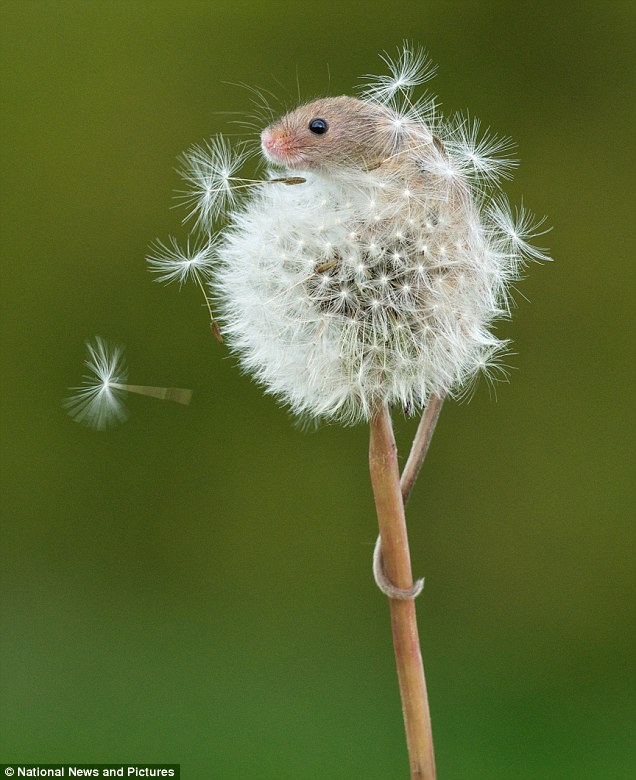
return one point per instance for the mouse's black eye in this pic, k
(318, 126)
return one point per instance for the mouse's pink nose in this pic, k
(276, 144)
(270, 141)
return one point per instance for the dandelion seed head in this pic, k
(378, 278)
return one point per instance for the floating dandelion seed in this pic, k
(99, 401)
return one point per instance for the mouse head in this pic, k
(329, 134)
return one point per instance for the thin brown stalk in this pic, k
(411, 470)
(385, 479)
(420, 445)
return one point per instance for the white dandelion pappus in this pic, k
(483, 154)
(171, 263)
(99, 401)
(515, 231)
(209, 171)
(174, 264)
(410, 69)
(414, 118)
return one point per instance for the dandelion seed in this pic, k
(519, 229)
(407, 119)
(173, 264)
(409, 69)
(99, 401)
(210, 170)
(483, 155)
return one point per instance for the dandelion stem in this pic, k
(385, 479)
(411, 470)
(420, 445)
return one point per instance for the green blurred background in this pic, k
(194, 586)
